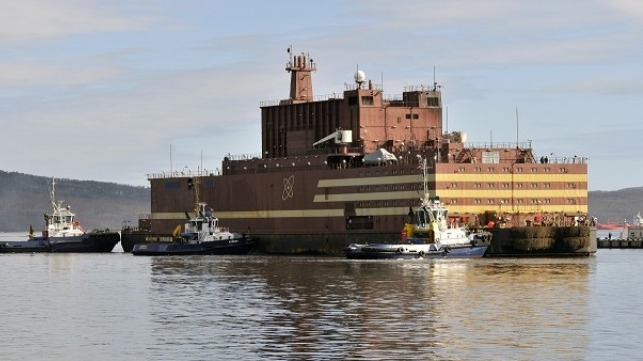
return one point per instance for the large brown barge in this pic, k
(345, 168)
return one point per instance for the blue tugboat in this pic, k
(63, 234)
(202, 235)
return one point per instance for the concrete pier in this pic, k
(619, 243)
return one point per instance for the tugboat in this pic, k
(202, 235)
(63, 234)
(428, 233)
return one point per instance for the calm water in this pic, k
(121, 307)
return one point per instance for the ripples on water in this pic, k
(121, 307)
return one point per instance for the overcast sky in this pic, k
(114, 90)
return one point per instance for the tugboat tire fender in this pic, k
(400, 250)
(421, 253)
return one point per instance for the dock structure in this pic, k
(620, 243)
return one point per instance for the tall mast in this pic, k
(52, 194)
(300, 68)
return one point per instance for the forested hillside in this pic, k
(24, 199)
(616, 206)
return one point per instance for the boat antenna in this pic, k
(52, 193)
(425, 188)
(517, 123)
(435, 84)
(424, 180)
(196, 195)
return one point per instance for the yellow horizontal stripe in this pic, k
(452, 193)
(296, 213)
(369, 181)
(385, 211)
(370, 196)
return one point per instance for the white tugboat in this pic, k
(63, 233)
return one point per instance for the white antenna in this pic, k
(435, 84)
(171, 158)
(517, 146)
(52, 193)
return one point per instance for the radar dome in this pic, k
(360, 77)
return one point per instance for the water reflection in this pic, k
(329, 308)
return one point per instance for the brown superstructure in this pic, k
(345, 168)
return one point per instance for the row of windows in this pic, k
(382, 188)
(401, 187)
(515, 185)
(515, 169)
(496, 203)
(509, 201)
(187, 184)
(392, 203)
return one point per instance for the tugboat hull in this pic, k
(391, 251)
(86, 243)
(222, 247)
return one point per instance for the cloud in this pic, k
(629, 8)
(40, 19)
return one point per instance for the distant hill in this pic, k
(616, 206)
(24, 199)
(98, 205)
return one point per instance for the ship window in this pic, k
(172, 185)
(490, 157)
(416, 116)
(367, 100)
(433, 102)
(408, 116)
